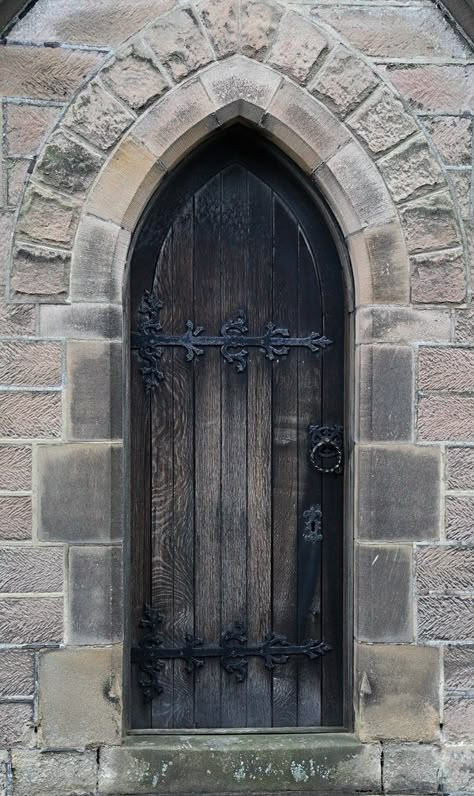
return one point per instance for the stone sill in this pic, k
(233, 764)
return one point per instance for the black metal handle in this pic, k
(327, 448)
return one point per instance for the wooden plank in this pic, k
(234, 243)
(207, 452)
(285, 464)
(259, 453)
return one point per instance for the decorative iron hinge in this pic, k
(233, 341)
(233, 652)
(327, 448)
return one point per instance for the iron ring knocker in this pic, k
(327, 444)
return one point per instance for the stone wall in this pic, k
(374, 100)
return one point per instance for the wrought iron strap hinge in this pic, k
(233, 652)
(149, 341)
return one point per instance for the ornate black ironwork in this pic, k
(327, 448)
(149, 341)
(312, 524)
(233, 652)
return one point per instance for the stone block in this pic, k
(67, 165)
(445, 618)
(382, 264)
(430, 223)
(47, 217)
(178, 41)
(297, 47)
(15, 518)
(100, 251)
(84, 683)
(26, 71)
(15, 467)
(396, 476)
(459, 718)
(17, 320)
(343, 81)
(459, 668)
(6, 233)
(17, 174)
(386, 393)
(458, 769)
(438, 278)
(384, 593)
(54, 773)
(444, 569)
(400, 699)
(462, 187)
(221, 20)
(30, 364)
(40, 272)
(446, 369)
(79, 492)
(16, 724)
(94, 390)
(134, 76)
(28, 620)
(452, 137)
(27, 127)
(98, 116)
(81, 321)
(410, 169)
(259, 22)
(444, 88)
(459, 519)
(411, 768)
(30, 414)
(446, 417)
(31, 569)
(381, 121)
(95, 606)
(240, 88)
(402, 325)
(16, 673)
(4, 766)
(464, 326)
(459, 468)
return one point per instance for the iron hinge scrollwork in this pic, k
(327, 448)
(233, 651)
(149, 341)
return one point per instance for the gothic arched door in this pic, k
(236, 411)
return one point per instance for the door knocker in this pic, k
(327, 448)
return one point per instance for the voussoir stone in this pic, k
(240, 88)
(297, 47)
(47, 217)
(179, 43)
(411, 168)
(343, 81)
(382, 264)
(430, 223)
(134, 76)
(258, 25)
(221, 20)
(98, 116)
(40, 272)
(452, 137)
(67, 165)
(381, 121)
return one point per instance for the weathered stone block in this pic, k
(382, 259)
(343, 81)
(178, 41)
(297, 47)
(438, 278)
(410, 169)
(258, 24)
(400, 698)
(17, 174)
(459, 668)
(462, 187)
(459, 518)
(98, 245)
(26, 569)
(464, 326)
(15, 467)
(27, 127)
(39, 272)
(30, 414)
(430, 223)
(94, 390)
(81, 321)
(84, 683)
(395, 476)
(446, 618)
(240, 88)
(17, 320)
(386, 390)
(54, 773)
(134, 76)
(446, 369)
(384, 593)
(444, 569)
(98, 116)
(459, 717)
(411, 768)
(47, 217)
(30, 364)
(16, 724)
(432, 87)
(26, 620)
(458, 769)
(26, 71)
(446, 417)
(402, 325)
(15, 518)
(79, 492)
(16, 673)
(452, 136)
(95, 607)
(221, 21)
(381, 121)
(460, 468)
(67, 165)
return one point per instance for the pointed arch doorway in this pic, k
(236, 448)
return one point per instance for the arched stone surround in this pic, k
(193, 69)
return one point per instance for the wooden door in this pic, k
(237, 315)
